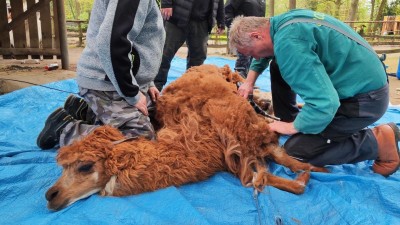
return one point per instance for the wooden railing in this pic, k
(81, 34)
(221, 40)
(45, 41)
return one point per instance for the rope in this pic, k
(40, 85)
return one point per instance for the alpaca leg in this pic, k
(294, 186)
(279, 155)
(262, 178)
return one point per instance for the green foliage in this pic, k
(329, 7)
(78, 9)
(393, 8)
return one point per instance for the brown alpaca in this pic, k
(206, 128)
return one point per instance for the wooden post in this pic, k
(4, 32)
(63, 34)
(292, 4)
(271, 8)
(80, 33)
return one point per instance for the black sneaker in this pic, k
(76, 107)
(55, 123)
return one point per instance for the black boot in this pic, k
(76, 107)
(55, 123)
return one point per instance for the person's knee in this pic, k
(304, 146)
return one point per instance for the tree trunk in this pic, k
(78, 9)
(271, 8)
(353, 10)
(371, 17)
(292, 4)
(379, 15)
(338, 3)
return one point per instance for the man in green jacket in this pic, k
(339, 77)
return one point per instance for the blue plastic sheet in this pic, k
(350, 194)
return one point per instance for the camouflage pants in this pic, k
(108, 108)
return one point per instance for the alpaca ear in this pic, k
(117, 156)
(108, 133)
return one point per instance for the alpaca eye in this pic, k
(85, 168)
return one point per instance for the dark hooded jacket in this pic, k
(234, 8)
(182, 10)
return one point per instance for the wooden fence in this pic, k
(30, 29)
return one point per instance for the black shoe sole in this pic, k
(47, 140)
(76, 113)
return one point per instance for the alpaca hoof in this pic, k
(319, 169)
(300, 188)
(303, 178)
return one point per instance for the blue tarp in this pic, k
(350, 194)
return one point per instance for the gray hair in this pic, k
(239, 33)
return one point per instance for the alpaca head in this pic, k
(84, 168)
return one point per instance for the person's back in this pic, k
(343, 59)
(337, 74)
(110, 41)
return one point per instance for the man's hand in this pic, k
(245, 90)
(166, 13)
(283, 127)
(142, 104)
(154, 93)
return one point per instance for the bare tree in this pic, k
(371, 16)
(338, 3)
(353, 10)
(379, 15)
(292, 4)
(271, 8)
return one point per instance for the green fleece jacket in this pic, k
(321, 65)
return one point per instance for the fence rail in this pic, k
(33, 29)
(221, 40)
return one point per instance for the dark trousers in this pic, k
(196, 37)
(345, 139)
(242, 64)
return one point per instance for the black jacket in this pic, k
(182, 8)
(234, 8)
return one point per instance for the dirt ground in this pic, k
(33, 71)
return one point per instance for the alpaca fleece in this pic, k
(205, 128)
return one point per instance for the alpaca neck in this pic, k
(165, 163)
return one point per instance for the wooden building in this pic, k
(391, 25)
(33, 29)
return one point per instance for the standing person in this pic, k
(190, 21)
(339, 77)
(114, 74)
(234, 8)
